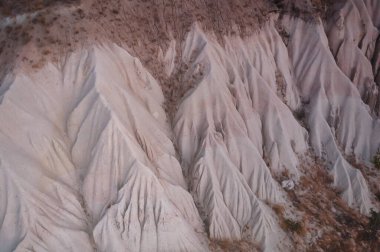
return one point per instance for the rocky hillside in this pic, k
(195, 125)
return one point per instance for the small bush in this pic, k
(293, 226)
(299, 114)
(376, 160)
(25, 37)
(370, 234)
(81, 13)
(377, 196)
(374, 221)
(46, 52)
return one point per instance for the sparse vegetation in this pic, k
(307, 10)
(323, 210)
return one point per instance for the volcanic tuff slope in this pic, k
(173, 126)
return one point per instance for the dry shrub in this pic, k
(287, 224)
(278, 209)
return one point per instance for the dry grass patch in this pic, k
(233, 246)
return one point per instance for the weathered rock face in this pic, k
(113, 148)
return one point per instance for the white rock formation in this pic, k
(89, 160)
(88, 164)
